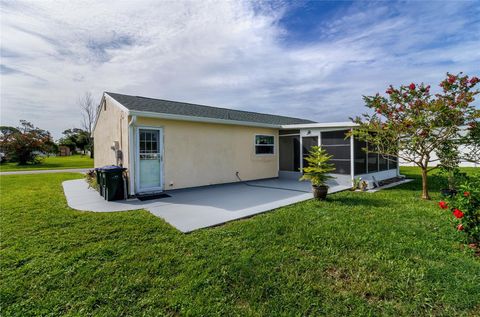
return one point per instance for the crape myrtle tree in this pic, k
(412, 124)
(23, 144)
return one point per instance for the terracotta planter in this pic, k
(320, 192)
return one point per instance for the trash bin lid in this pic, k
(111, 168)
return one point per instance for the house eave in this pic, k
(319, 125)
(167, 116)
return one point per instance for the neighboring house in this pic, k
(64, 150)
(462, 149)
(170, 145)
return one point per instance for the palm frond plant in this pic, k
(317, 170)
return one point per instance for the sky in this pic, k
(312, 60)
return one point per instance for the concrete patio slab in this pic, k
(80, 197)
(196, 208)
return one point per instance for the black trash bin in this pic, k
(99, 181)
(112, 183)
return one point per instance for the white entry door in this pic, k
(149, 160)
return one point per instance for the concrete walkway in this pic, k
(195, 208)
(70, 170)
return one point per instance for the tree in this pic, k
(75, 138)
(412, 124)
(23, 144)
(89, 113)
(318, 167)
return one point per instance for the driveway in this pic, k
(201, 207)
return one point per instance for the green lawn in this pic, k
(52, 162)
(387, 253)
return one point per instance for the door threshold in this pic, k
(151, 196)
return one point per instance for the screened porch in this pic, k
(349, 156)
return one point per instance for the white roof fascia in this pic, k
(99, 108)
(168, 116)
(97, 114)
(320, 125)
(118, 104)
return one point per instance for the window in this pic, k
(149, 145)
(335, 138)
(264, 144)
(307, 143)
(360, 156)
(382, 162)
(371, 162)
(392, 162)
(337, 144)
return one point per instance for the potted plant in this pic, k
(363, 186)
(317, 171)
(356, 183)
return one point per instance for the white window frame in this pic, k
(255, 145)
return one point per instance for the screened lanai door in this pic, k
(149, 160)
(307, 143)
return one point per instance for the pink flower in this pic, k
(460, 227)
(451, 79)
(474, 80)
(412, 86)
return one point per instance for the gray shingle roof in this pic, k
(136, 103)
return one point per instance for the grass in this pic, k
(387, 253)
(51, 162)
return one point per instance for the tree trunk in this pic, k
(425, 194)
(91, 149)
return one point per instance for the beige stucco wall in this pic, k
(112, 125)
(198, 154)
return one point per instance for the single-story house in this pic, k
(464, 150)
(64, 150)
(168, 145)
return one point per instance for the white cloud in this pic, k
(234, 54)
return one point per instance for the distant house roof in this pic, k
(141, 105)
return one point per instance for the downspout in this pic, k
(352, 157)
(398, 162)
(131, 154)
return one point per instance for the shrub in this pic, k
(453, 177)
(26, 143)
(465, 207)
(91, 178)
(318, 167)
